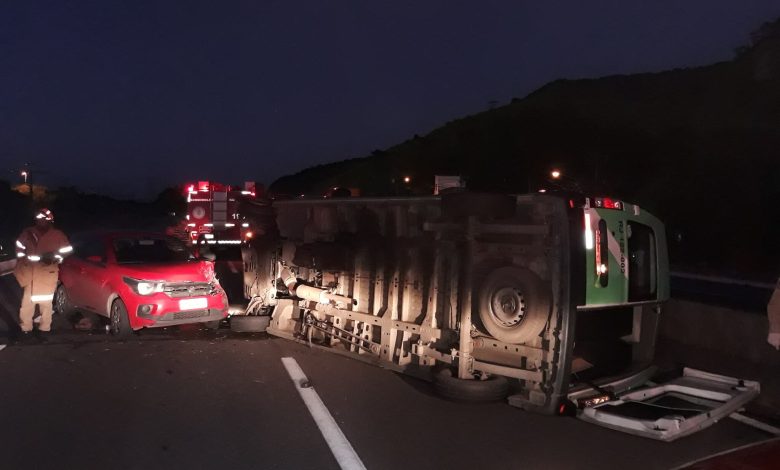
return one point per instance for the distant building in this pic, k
(444, 183)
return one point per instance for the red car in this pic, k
(140, 280)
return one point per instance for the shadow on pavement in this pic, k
(68, 335)
(10, 300)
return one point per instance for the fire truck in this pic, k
(213, 213)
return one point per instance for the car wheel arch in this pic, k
(109, 303)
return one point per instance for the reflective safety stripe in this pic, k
(34, 258)
(66, 249)
(42, 298)
(20, 255)
(59, 258)
(19, 244)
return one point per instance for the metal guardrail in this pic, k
(741, 294)
(723, 280)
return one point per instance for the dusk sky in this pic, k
(128, 97)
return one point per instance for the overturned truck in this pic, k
(550, 301)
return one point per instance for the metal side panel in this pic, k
(674, 409)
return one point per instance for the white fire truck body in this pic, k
(213, 216)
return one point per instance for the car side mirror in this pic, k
(95, 259)
(207, 256)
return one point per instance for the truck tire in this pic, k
(249, 323)
(494, 388)
(514, 304)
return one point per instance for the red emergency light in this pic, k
(607, 203)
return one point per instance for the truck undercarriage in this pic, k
(480, 293)
(475, 286)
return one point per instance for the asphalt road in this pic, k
(196, 399)
(192, 398)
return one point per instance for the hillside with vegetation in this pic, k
(76, 211)
(700, 147)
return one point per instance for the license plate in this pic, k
(193, 304)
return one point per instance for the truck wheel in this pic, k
(494, 388)
(249, 323)
(120, 322)
(514, 304)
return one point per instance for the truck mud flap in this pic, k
(667, 411)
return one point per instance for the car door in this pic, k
(92, 290)
(70, 271)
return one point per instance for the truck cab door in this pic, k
(667, 411)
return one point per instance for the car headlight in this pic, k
(142, 287)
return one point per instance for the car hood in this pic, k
(198, 271)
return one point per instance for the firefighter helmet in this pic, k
(44, 214)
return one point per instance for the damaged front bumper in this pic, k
(182, 318)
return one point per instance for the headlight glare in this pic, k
(143, 287)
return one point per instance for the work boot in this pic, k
(43, 336)
(25, 337)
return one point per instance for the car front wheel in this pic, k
(62, 303)
(120, 322)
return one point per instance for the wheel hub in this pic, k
(507, 306)
(115, 320)
(60, 300)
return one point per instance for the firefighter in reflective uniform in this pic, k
(39, 251)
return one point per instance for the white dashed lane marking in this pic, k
(345, 455)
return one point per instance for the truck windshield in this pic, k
(139, 250)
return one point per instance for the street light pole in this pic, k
(27, 175)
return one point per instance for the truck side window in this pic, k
(642, 263)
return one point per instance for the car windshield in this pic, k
(138, 250)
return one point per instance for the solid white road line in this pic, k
(768, 428)
(338, 443)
